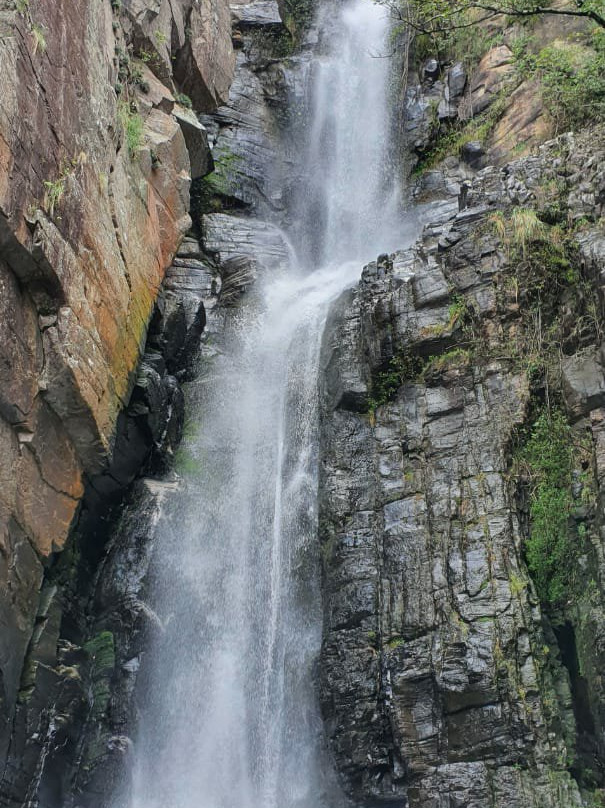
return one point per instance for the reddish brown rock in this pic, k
(488, 80)
(94, 201)
(523, 125)
(186, 44)
(204, 66)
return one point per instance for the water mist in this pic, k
(233, 719)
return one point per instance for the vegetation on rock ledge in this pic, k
(552, 545)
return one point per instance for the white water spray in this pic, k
(350, 207)
(234, 719)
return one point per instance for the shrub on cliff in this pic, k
(552, 545)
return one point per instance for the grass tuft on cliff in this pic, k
(132, 124)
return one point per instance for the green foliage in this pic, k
(573, 80)
(54, 190)
(186, 463)
(213, 192)
(552, 545)
(542, 254)
(454, 358)
(520, 229)
(440, 20)
(572, 76)
(100, 651)
(53, 193)
(132, 125)
(37, 31)
(467, 43)
(596, 799)
(451, 140)
(183, 100)
(459, 314)
(148, 57)
(396, 642)
(39, 38)
(299, 15)
(406, 366)
(389, 379)
(276, 44)
(457, 310)
(523, 48)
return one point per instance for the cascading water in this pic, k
(350, 207)
(233, 720)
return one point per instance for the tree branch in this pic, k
(445, 20)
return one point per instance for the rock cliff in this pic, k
(98, 145)
(461, 665)
(79, 622)
(450, 675)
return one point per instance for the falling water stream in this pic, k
(233, 719)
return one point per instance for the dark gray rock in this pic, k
(262, 13)
(583, 383)
(231, 236)
(196, 140)
(431, 69)
(456, 80)
(432, 678)
(472, 152)
(124, 621)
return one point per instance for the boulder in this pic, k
(260, 14)
(196, 140)
(430, 69)
(522, 126)
(204, 66)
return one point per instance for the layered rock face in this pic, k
(96, 158)
(442, 682)
(70, 735)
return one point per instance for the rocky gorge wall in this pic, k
(82, 620)
(99, 142)
(448, 677)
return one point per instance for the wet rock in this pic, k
(47, 673)
(110, 660)
(89, 221)
(426, 594)
(263, 14)
(196, 141)
(472, 152)
(420, 109)
(232, 236)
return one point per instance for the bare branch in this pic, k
(453, 18)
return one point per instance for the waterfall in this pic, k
(233, 719)
(350, 207)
